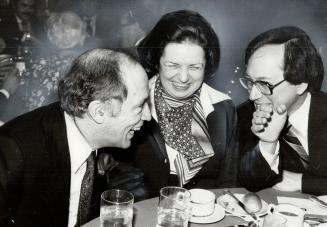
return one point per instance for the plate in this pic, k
(230, 205)
(217, 215)
(323, 198)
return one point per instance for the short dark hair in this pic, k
(94, 75)
(177, 27)
(302, 62)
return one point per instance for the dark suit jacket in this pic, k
(255, 174)
(3, 104)
(35, 171)
(220, 171)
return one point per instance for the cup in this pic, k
(116, 208)
(293, 214)
(274, 220)
(202, 202)
(174, 207)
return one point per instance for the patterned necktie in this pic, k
(86, 191)
(295, 143)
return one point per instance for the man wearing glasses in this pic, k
(283, 127)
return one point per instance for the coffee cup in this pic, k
(202, 202)
(293, 214)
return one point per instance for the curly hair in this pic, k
(302, 62)
(178, 27)
(66, 29)
(95, 75)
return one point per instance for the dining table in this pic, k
(145, 212)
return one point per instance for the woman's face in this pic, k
(181, 69)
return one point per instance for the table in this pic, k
(145, 211)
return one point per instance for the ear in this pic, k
(301, 88)
(96, 111)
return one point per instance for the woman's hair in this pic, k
(178, 27)
(66, 30)
(302, 61)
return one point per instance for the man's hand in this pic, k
(268, 122)
(291, 182)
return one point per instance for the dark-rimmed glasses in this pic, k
(264, 87)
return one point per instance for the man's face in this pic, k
(25, 9)
(134, 109)
(266, 64)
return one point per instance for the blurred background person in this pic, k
(20, 28)
(8, 83)
(66, 32)
(190, 140)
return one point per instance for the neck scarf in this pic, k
(184, 128)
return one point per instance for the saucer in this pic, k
(231, 206)
(217, 215)
(322, 198)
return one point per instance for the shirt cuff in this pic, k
(272, 159)
(5, 93)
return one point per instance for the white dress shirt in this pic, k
(79, 151)
(299, 120)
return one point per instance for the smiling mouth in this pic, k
(134, 129)
(180, 86)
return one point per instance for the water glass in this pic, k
(116, 209)
(174, 207)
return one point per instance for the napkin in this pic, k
(310, 206)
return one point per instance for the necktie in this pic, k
(86, 191)
(294, 142)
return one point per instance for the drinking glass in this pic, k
(116, 209)
(174, 207)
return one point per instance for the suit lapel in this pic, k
(157, 140)
(317, 134)
(55, 127)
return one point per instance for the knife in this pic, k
(318, 200)
(241, 205)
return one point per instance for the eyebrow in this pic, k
(175, 63)
(261, 78)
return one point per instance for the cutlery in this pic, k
(255, 218)
(250, 224)
(315, 219)
(312, 197)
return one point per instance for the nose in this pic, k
(146, 114)
(183, 75)
(254, 93)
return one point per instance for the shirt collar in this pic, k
(208, 97)
(299, 118)
(79, 148)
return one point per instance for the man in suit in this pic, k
(45, 154)
(18, 20)
(283, 128)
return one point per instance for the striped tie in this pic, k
(295, 143)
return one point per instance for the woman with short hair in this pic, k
(190, 141)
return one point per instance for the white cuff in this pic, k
(272, 159)
(5, 93)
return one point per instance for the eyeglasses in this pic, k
(264, 87)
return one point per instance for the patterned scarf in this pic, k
(184, 128)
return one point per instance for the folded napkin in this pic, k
(310, 206)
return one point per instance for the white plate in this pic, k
(323, 198)
(217, 215)
(230, 205)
